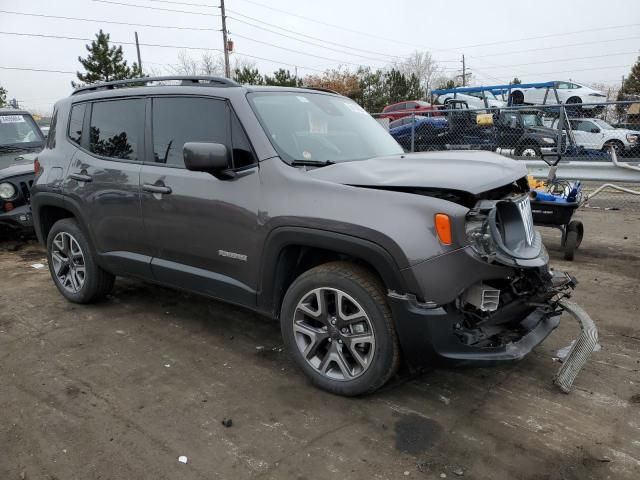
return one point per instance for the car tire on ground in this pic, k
(528, 150)
(72, 264)
(337, 326)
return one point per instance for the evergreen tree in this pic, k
(631, 84)
(3, 97)
(248, 76)
(282, 78)
(105, 63)
(515, 81)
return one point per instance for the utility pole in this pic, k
(227, 70)
(138, 50)
(464, 72)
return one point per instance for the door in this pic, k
(203, 228)
(586, 133)
(103, 180)
(508, 130)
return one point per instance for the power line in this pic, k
(559, 60)
(502, 42)
(108, 21)
(156, 8)
(554, 47)
(311, 43)
(329, 24)
(296, 51)
(185, 3)
(298, 33)
(60, 37)
(36, 70)
(573, 70)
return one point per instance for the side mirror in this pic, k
(595, 130)
(205, 157)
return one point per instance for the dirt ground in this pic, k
(121, 389)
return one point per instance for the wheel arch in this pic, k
(290, 251)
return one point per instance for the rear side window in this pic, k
(75, 123)
(177, 121)
(117, 129)
(51, 138)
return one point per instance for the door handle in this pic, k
(147, 187)
(81, 177)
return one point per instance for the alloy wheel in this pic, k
(68, 262)
(334, 334)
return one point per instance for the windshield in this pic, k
(602, 124)
(532, 120)
(19, 131)
(316, 127)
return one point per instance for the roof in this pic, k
(118, 87)
(13, 111)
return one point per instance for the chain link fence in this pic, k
(578, 132)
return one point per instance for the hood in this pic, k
(12, 164)
(549, 132)
(471, 171)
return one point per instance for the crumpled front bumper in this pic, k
(18, 219)
(427, 335)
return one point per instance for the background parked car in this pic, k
(524, 131)
(20, 141)
(597, 134)
(402, 109)
(429, 132)
(473, 99)
(568, 92)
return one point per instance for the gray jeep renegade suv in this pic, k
(297, 204)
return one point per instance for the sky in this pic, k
(587, 41)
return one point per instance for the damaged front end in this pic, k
(508, 299)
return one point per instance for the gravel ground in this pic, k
(121, 389)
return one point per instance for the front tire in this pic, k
(72, 264)
(337, 327)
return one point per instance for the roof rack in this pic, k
(186, 80)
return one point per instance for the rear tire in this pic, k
(350, 350)
(72, 264)
(528, 150)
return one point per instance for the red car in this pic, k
(403, 109)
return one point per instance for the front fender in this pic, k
(367, 251)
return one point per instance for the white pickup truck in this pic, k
(597, 134)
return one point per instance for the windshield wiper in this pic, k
(13, 149)
(312, 163)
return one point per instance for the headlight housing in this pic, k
(7, 191)
(549, 140)
(632, 137)
(478, 234)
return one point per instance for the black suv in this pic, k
(297, 204)
(20, 141)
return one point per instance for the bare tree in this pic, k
(423, 66)
(186, 65)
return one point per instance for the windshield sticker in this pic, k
(307, 155)
(302, 99)
(354, 108)
(11, 119)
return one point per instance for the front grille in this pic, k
(25, 188)
(527, 219)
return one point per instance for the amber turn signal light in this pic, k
(443, 228)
